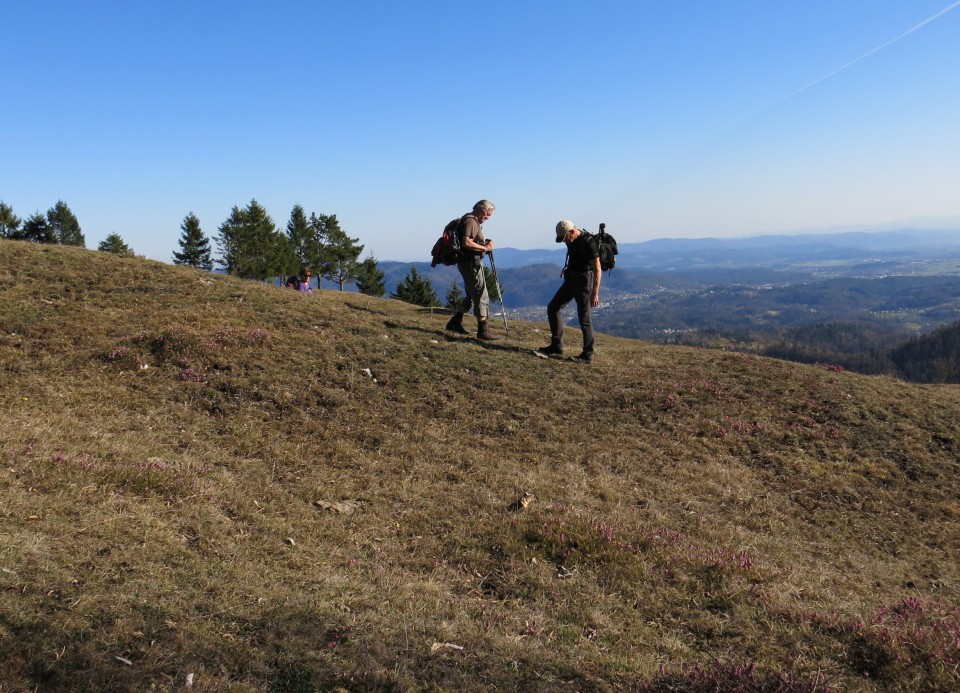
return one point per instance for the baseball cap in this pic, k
(563, 228)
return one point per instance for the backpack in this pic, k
(446, 251)
(607, 245)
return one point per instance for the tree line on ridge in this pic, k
(251, 247)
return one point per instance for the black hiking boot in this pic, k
(554, 349)
(456, 324)
(582, 358)
(483, 331)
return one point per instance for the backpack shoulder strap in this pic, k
(462, 227)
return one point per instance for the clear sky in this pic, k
(660, 118)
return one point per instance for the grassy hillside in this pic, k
(217, 485)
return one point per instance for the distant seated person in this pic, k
(301, 283)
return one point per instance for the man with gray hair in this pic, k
(581, 283)
(473, 246)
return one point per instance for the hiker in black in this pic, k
(473, 246)
(581, 283)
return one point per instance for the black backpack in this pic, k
(607, 245)
(446, 251)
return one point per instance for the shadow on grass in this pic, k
(512, 348)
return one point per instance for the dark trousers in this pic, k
(577, 286)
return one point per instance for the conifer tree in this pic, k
(337, 253)
(115, 244)
(252, 246)
(9, 222)
(454, 296)
(37, 229)
(302, 236)
(194, 246)
(416, 290)
(284, 258)
(65, 227)
(370, 278)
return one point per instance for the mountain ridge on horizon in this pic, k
(899, 239)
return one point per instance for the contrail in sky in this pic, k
(696, 150)
(878, 48)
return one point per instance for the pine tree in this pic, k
(284, 260)
(370, 278)
(302, 236)
(66, 228)
(252, 247)
(37, 229)
(454, 296)
(9, 222)
(337, 253)
(416, 290)
(194, 246)
(114, 244)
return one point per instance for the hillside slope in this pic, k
(222, 485)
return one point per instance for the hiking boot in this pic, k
(553, 350)
(483, 331)
(456, 324)
(582, 358)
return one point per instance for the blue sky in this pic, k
(662, 119)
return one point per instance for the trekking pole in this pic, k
(496, 279)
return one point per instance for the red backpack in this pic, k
(446, 251)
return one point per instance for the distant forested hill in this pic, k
(931, 358)
(909, 303)
(829, 252)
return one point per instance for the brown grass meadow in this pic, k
(211, 484)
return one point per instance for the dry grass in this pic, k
(222, 483)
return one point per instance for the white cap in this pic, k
(563, 228)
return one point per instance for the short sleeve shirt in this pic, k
(472, 229)
(583, 252)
